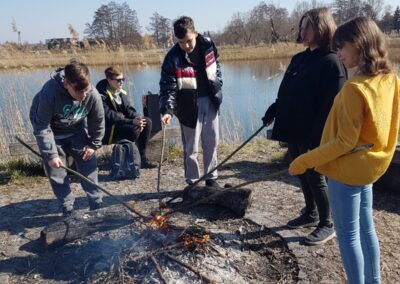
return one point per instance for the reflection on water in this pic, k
(249, 87)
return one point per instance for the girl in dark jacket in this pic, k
(306, 94)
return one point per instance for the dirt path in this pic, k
(26, 209)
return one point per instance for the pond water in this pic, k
(249, 88)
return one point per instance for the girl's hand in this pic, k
(166, 118)
(295, 168)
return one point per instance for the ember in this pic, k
(191, 243)
(159, 222)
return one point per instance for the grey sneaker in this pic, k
(320, 235)
(303, 221)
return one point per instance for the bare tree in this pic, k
(115, 24)
(372, 8)
(386, 23)
(161, 29)
(396, 19)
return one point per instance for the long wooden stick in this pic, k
(219, 165)
(222, 191)
(130, 207)
(158, 268)
(191, 268)
(159, 166)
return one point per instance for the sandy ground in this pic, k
(26, 208)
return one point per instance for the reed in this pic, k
(11, 58)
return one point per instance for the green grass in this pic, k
(17, 171)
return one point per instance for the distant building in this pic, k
(62, 43)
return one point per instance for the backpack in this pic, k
(125, 160)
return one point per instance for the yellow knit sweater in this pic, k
(366, 111)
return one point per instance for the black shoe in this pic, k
(320, 235)
(212, 183)
(146, 164)
(67, 213)
(303, 221)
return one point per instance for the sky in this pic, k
(38, 20)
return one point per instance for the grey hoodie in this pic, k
(54, 114)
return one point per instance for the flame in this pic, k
(191, 242)
(159, 222)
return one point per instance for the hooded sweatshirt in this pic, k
(55, 115)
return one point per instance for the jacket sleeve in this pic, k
(332, 80)
(217, 84)
(112, 116)
(168, 87)
(95, 121)
(130, 111)
(41, 116)
(270, 114)
(350, 115)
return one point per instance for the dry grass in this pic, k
(276, 51)
(394, 49)
(12, 58)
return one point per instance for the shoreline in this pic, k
(21, 60)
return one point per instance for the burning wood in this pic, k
(191, 243)
(159, 222)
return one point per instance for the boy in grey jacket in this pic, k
(68, 118)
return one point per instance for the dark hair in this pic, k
(370, 42)
(112, 72)
(182, 26)
(77, 74)
(323, 24)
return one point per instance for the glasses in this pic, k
(119, 80)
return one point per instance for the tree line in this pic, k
(117, 24)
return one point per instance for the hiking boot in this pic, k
(303, 221)
(147, 164)
(212, 183)
(320, 235)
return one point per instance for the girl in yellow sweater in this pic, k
(357, 144)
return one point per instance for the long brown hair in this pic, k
(323, 24)
(370, 42)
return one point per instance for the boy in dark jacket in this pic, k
(122, 120)
(60, 113)
(190, 88)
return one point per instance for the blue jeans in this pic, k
(352, 215)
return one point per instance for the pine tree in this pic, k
(396, 19)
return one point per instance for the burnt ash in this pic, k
(238, 251)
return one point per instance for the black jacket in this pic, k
(305, 97)
(114, 115)
(178, 93)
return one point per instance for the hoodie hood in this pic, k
(59, 76)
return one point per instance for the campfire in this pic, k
(205, 244)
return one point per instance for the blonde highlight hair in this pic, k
(370, 43)
(323, 24)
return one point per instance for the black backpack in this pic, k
(125, 160)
